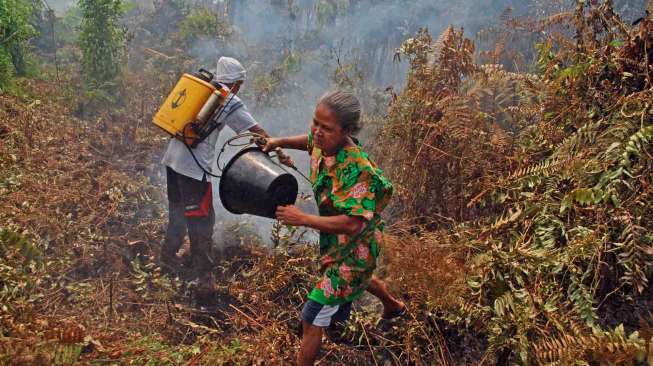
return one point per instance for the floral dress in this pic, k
(348, 183)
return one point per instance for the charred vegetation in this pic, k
(520, 231)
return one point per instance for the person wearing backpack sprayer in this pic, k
(190, 195)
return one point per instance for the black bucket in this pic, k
(252, 183)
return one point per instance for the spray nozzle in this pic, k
(259, 140)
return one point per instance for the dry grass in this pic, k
(80, 194)
(428, 269)
(81, 221)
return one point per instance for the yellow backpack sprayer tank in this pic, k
(189, 106)
(251, 182)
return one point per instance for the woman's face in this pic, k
(328, 135)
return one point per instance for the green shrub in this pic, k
(202, 23)
(15, 31)
(6, 68)
(101, 40)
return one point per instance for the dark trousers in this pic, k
(190, 210)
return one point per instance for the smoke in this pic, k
(299, 46)
(295, 50)
(61, 6)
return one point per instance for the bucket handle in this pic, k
(256, 140)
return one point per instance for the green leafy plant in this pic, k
(15, 31)
(150, 282)
(203, 23)
(101, 39)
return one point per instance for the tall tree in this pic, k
(15, 31)
(102, 41)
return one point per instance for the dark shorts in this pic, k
(324, 315)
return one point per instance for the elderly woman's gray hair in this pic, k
(346, 108)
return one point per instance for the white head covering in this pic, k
(229, 71)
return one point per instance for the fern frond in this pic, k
(583, 137)
(636, 144)
(511, 215)
(556, 19)
(545, 168)
(583, 299)
(635, 256)
(441, 42)
(504, 304)
(606, 347)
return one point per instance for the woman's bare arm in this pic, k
(283, 157)
(292, 142)
(341, 224)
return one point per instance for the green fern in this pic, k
(66, 354)
(636, 144)
(635, 256)
(585, 135)
(504, 304)
(583, 299)
(544, 168)
(603, 347)
(511, 215)
(548, 231)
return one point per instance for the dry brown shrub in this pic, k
(452, 131)
(428, 269)
(79, 193)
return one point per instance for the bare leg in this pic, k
(380, 290)
(311, 343)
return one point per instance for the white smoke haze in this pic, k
(318, 37)
(61, 6)
(364, 35)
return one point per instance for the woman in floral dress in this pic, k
(351, 192)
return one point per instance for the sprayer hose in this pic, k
(253, 136)
(230, 142)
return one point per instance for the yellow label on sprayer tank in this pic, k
(183, 104)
